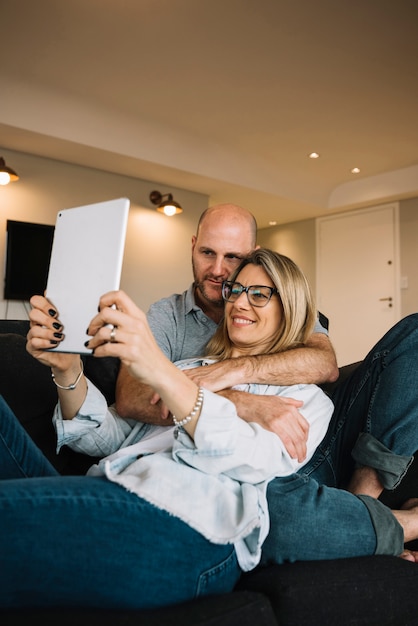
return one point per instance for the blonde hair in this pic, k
(297, 303)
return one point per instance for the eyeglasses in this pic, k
(258, 295)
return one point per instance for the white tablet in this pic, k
(86, 262)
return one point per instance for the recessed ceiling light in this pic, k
(355, 170)
(272, 223)
(314, 155)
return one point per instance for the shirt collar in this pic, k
(191, 301)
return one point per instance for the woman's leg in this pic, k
(19, 456)
(380, 401)
(77, 541)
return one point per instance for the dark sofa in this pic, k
(377, 590)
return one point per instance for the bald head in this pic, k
(222, 216)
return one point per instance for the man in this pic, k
(183, 323)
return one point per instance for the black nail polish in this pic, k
(52, 312)
(86, 343)
(58, 335)
(54, 343)
(56, 325)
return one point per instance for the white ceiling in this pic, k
(223, 97)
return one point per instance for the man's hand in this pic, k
(217, 376)
(276, 413)
(137, 401)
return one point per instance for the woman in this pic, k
(142, 529)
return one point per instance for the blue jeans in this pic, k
(86, 542)
(374, 424)
(376, 414)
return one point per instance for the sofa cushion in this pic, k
(364, 591)
(102, 372)
(19, 327)
(27, 387)
(242, 608)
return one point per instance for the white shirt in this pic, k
(215, 482)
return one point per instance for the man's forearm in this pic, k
(133, 401)
(313, 363)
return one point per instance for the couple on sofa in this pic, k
(78, 530)
(145, 529)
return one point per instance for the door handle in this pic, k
(389, 299)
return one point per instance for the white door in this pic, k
(358, 286)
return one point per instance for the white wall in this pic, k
(297, 241)
(157, 252)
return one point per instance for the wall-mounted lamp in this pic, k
(165, 203)
(7, 175)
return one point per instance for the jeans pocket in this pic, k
(219, 578)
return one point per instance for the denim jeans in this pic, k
(376, 414)
(86, 542)
(374, 424)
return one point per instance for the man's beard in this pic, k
(204, 295)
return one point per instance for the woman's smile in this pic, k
(239, 320)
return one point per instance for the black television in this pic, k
(28, 250)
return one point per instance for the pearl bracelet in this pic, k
(195, 409)
(74, 384)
